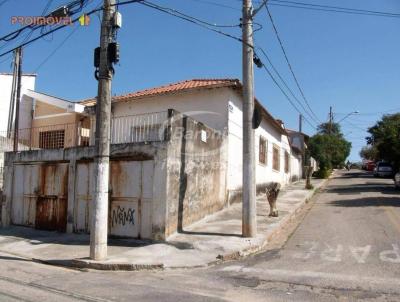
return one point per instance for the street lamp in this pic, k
(347, 115)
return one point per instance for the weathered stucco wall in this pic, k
(25, 178)
(196, 183)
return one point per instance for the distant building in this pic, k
(28, 82)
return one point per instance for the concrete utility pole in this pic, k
(300, 123)
(99, 227)
(249, 222)
(18, 62)
(11, 109)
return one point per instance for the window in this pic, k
(287, 162)
(276, 158)
(262, 151)
(51, 139)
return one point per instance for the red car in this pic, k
(370, 166)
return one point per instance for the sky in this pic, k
(350, 62)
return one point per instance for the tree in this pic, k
(330, 150)
(369, 153)
(385, 138)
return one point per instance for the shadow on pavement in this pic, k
(362, 188)
(368, 202)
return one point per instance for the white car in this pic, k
(383, 169)
(397, 180)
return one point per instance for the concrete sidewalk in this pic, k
(215, 238)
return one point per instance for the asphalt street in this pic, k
(345, 246)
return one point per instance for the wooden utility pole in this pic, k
(249, 223)
(99, 227)
(18, 61)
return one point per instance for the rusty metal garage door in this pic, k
(131, 198)
(131, 187)
(84, 184)
(51, 207)
(25, 192)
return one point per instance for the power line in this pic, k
(348, 9)
(196, 21)
(286, 96)
(334, 11)
(287, 86)
(288, 62)
(56, 49)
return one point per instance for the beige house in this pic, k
(48, 122)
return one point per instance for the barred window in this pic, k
(51, 139)
(262, 151)
(276, 158)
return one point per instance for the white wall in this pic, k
(264, 172)
(296, 166)
(207, 106)
(220, 109)
(28, 82)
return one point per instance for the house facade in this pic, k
(176, 158)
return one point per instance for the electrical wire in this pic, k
(56, 49)
(289, 64)
(286, 96)
(71, 6)
(286, 85)
(353, 10)
(174, 11)
(217, 4)
(190, 19)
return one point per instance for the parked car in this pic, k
(397, 180)
(370, 166)
(383, 169)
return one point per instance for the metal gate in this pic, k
(40, 194)
(130, 208)
(25, 192)
(84, 184)
(51, 208)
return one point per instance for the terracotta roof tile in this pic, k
(171, 88)
(187, 86)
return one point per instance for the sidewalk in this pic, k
(215, 238)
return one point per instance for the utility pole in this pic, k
(18, 60)
(99, 227)
(330, 120)
(300, 123)
(11, 109)
(249, 222)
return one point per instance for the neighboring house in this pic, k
(48, 122)
(218, 104)
(299, 140)
(27, 82)
(6, 142)
(176, 156)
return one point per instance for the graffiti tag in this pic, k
(122, 216)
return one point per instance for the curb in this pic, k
(87, 264)
(240, 254)
(257, 248)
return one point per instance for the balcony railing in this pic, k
(124, 129)
(46, 137)
(148, 127)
